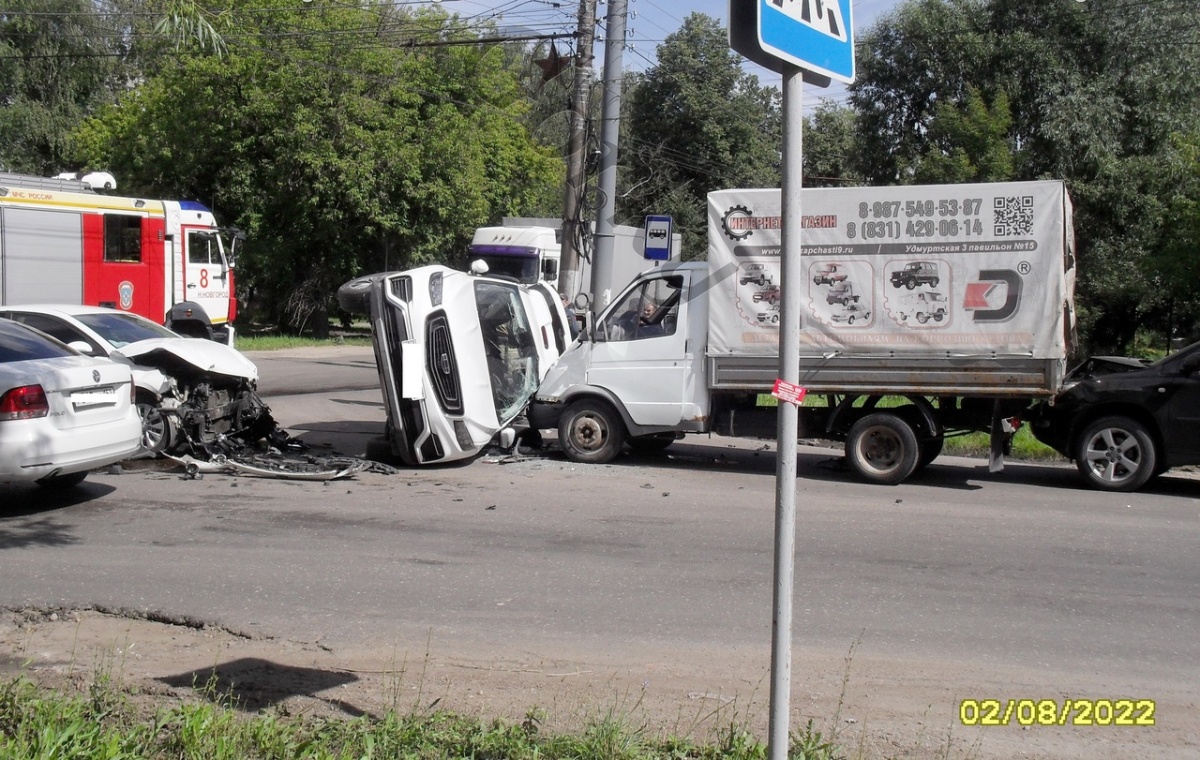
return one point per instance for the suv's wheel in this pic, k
(910, 283)
(591, 431)
(1116, 454)
(882, 448)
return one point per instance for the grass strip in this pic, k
(37, 724)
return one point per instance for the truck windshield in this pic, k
(522, 266)
(509, 347)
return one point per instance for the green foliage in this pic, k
(912, 60)
(829, 146)
(984, 90)
(335, 158)
(54, 70)
(969, 143)
(186, 23)
(697, 123)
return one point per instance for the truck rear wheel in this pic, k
(930, 450)
(591, 431)
(1116, 454)
(882, 448)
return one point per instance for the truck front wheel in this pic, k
(882, 448)
(591, 431)
(1116, 454)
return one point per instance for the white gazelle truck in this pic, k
(926, 311)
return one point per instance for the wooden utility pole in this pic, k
(576, 184)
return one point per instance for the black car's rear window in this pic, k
(19, 343)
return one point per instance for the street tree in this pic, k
(342, 139)
(59, 61)
(696, 122)
(830, 146)
(1090, 93)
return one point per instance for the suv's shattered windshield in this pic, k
(508, 345)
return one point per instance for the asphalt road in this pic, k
(957, 584)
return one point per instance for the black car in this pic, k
(1123, 421)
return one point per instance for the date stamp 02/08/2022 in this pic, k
(1056, 712)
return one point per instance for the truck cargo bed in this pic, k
(895, 375)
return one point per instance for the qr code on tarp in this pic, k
(1013, 215)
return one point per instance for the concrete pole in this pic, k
(610, 128)
(790, 286)
(576, 185)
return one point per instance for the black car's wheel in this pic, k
(1116, 454)
(933, 283)
(58, 482)
(651, 444)
(882, 448)
(910, 283)
(591, 431)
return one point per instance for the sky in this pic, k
(648, 25)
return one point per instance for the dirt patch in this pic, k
(878, 708)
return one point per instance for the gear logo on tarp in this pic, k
(734, 223)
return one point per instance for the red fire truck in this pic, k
(165, 260)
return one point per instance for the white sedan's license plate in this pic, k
(106, 396)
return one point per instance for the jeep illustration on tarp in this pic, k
(916, 273)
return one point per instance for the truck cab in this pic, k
(526, 254)
(636, 374)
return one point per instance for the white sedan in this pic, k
(61, 413)
(185, 386)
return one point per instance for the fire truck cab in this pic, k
(60, 242)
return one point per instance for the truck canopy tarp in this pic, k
(997, 266)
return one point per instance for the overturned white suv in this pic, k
(459, 355)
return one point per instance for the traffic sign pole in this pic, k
(789, 414)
